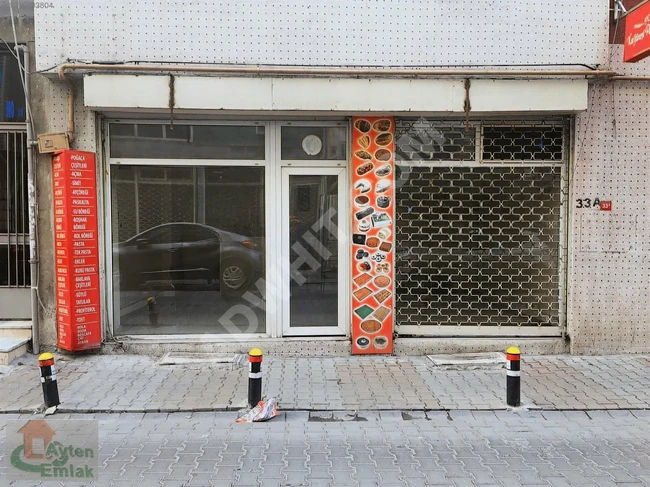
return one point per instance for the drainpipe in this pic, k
(329, 71)
(32, 206)
(630, 78)
(70, 131)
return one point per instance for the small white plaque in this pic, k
(312, 145)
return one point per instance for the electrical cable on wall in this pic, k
(617, 18)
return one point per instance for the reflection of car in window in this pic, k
(188, 251)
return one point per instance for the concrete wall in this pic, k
(327, 32)
(43, 92)
(23, 11)
(49, 108)
(609, 255)
(609, 282)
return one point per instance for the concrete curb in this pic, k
(324, 413)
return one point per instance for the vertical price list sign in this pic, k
(373, 237)
(78, 314)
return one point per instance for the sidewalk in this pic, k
(129, 383)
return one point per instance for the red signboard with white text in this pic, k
(78, 316)
(637, 34)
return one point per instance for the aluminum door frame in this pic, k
(342, 327)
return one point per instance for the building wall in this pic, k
(49, 108)
(609, 252)
(609, 305)
(23, 11)
(326, 33)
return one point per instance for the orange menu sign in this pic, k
(78, 315)
(373, 202)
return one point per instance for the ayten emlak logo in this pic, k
(52, 450)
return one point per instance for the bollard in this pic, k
(153, 310)
(254, 377)
(513, 380)
(48, 380)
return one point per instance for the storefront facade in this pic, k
(260, 228)
(426, 195)
(360, 228)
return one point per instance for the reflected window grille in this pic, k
(303, 198)
(184, 141)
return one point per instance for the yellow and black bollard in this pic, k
(48, 380)
(513, 380)
(254, 377)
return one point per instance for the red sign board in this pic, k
(637, 34)
(76, 252)
(373, 239)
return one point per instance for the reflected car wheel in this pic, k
(234, 277)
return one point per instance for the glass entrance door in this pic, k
(313, 251)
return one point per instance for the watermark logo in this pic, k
(52, 450)
(306, 258)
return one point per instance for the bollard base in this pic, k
(50, 394)
(513, 392)
(254, 392)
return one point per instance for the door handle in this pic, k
(173, 250)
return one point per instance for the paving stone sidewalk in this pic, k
(128, 383)
(375, 448)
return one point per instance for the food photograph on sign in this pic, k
(372, 237)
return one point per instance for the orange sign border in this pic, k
(373, 234)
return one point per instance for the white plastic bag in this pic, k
(264, 411)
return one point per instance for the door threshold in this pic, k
(221, 338)
(338, 346)
(300, 338)
(291, 346)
